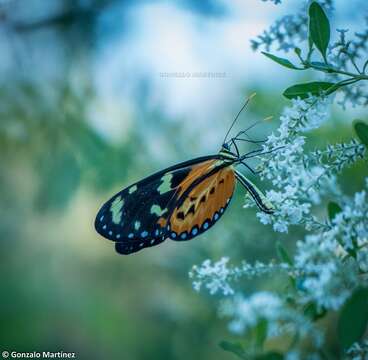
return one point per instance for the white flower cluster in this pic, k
(330, 264)
(217, 276)
(345, 54)
(325, 278)
(294, 183)
(287, 32)
(246, 313)
(351, 228)
(335, 157)
(299, 179)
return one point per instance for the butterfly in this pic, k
(180, 202)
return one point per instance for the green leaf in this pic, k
(261, 332)
(311, 310)
(319, 28)
(304, 90)
(282, 254)
(333, 209)
(234, 348)
(310, 46)
(361, 130)
(272, 355)
(353, 318)
(281, 61)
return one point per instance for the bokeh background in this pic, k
(85, 110)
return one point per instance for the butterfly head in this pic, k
(225, 146)
(227, 153)
(230, 152)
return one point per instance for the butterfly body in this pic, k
(180, 202)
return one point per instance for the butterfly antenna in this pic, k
(259, 152)
(237, 116)
(268, 118)
(247, 129)
(237, 137)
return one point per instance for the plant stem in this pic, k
(360, 75)
(365, 66)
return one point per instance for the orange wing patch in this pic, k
(203, 206)
(195, 172)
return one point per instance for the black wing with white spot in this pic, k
(137, 217)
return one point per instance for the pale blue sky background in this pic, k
(134, 41)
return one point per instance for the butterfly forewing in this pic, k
(202, 204)
(137, 217)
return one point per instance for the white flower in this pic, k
(247, 312)
(217, 276)
(325, 279)
(216, 272)
(280, 226)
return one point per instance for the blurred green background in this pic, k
(85, 111)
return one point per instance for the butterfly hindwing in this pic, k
(202, 204)
(129, 247)
(129, 218)
(136, 217)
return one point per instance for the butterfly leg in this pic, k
(260, 199)
(249, 168)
